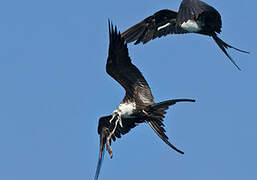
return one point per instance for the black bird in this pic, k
(194, 16)
(137, 106)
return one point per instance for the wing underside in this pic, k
(104, 130)
(159, 24)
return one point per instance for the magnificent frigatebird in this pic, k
(137, 106)
(194, 16)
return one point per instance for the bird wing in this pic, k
(154, 117)
(159, 24)
(127, 125)
(104, 130)
(119, 67)
(198, 10)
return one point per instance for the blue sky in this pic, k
(54, 88)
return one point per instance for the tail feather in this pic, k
(157, 130)
(156, 112)
(223, 46)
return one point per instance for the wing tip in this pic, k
(115, 35)
(100, 159)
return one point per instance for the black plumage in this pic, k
(194, 16)
(137, 106)
(151, 27)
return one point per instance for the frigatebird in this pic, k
(194, 16)
(137, 106)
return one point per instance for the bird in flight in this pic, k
(194, 16)
(137, 106)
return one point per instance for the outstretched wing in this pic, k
(156, 113)
(159, 24)
(104, 130)
(198, 10)
(119, 67)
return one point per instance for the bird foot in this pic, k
(108, 140)
(120, 121)
(113, 116)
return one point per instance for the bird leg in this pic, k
(120, 121)
(108, 140)
(116, 113)
(113, 116)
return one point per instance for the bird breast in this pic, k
(191, 26)
(127, 108)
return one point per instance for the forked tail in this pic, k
(156, 113)
(223, 46)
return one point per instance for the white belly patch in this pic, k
(191, 26)
(126, 108)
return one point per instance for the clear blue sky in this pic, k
(54, 88)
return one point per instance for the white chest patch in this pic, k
(191, 26)
(164, 26)
(126, 109)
